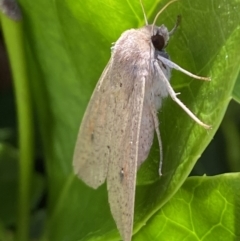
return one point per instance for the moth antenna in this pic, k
(144, 14)
(176, 25)
(155, 19)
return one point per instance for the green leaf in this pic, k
(236, 90)
(68, 46)
(204, 208)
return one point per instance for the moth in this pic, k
(117, 129)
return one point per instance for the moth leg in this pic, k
(176, 25)
(174, 97)
(172, 65)
(156, 125)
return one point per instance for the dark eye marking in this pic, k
(158, 42)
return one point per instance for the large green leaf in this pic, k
(68, 46)
(204, 208)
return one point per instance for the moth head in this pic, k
(160, 37)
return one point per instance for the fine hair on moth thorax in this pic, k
(117, 130)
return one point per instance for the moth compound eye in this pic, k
(158, 42)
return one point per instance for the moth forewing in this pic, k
(121, 184)
(90, 153)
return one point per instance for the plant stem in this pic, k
(14, 40)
